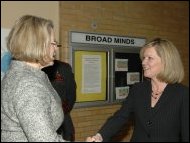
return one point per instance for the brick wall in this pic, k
(149, 19)
(88, 121)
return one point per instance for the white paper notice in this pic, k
(121, 64)
(122, 92)
(91, 74)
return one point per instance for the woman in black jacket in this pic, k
(160, 104)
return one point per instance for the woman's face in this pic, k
(151, 63)
(53, 47)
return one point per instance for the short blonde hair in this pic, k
(29, 39)
(173, 71)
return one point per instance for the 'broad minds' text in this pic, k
(102, 39)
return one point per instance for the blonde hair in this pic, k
(29, 39)
(173, 71)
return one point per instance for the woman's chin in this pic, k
(51, 63)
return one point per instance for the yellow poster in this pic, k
(90, 75)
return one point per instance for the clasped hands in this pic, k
(95, 138)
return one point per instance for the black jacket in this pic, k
(168, 121)
(62, 79)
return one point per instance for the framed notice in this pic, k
(90, 75)
(133, 77)
(121, 64)
(122, 92)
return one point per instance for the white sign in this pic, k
(89, 38)
(91, 74)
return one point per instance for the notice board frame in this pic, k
(79, 43)
(89, 48)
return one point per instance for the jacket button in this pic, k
(149, 123)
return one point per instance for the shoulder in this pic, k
(143, 84)
(32, 83)
(139, 88)
(61, 63)
(178, 87)
(63, 66)
(31, 91)
(183, 89)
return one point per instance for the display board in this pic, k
(105, 67)
(128, 70)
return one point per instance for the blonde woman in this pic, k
(30, 108)
(160, 104)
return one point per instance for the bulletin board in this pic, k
(90, 75)
(128, 70)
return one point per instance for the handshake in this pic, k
(96, 138)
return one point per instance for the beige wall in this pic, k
(11, 10)
(166, 19)
(149, 19)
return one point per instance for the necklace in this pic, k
(157, 92)
(156, 95)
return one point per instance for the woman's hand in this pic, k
(96, 138)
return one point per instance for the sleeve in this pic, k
(33, 109)
(185, 116)
(113, 125)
